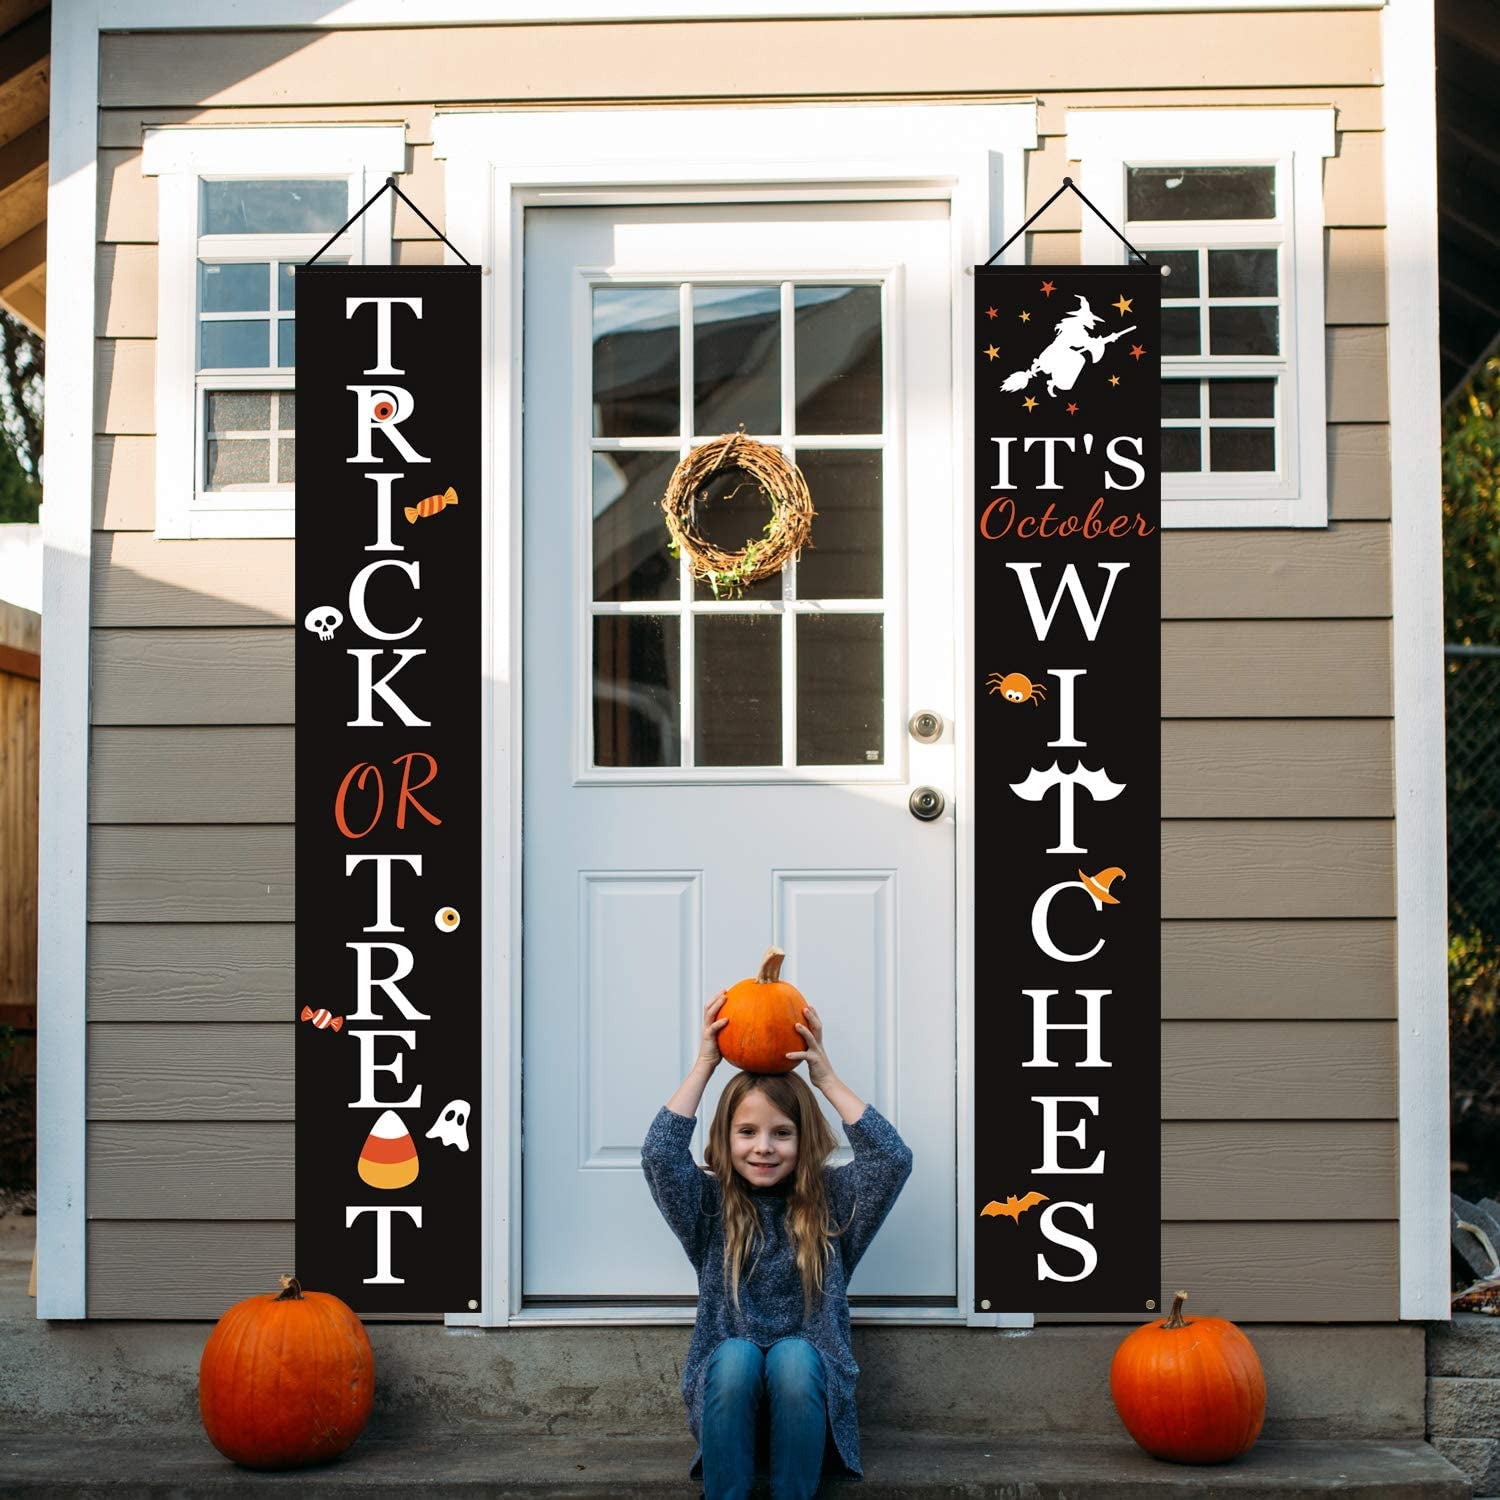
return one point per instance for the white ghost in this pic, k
(451, 1126)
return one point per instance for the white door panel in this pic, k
(702, 777)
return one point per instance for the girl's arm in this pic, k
(868, 1186)
(677, 1183)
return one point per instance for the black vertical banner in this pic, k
(388, 684)
(1067, 515)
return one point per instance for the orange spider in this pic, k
(1016, 688)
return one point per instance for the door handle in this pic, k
(926, 804)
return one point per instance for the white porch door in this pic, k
(705, 777)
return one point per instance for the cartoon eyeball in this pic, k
(447, 919)
(384, 409)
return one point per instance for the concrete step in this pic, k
(472, 1462)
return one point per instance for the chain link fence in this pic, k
(1473, 746)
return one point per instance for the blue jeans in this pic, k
(739, 1374)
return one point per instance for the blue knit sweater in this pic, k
(689, 1198)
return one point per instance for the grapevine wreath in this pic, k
(784, 536)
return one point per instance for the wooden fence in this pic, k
(20, 720)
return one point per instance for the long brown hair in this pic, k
(807, 1214)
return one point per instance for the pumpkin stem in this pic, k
(291, 1289)
(1177, 1320)
(770, 966)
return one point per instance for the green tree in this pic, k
(1471, 518)
(22, 382)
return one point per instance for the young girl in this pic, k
(774, 1236)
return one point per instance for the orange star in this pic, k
(992, 312)
(1114, 380)
(1123, 304)
(993, 352)
(1029, 403)
(1072, 408)
(1025, 317)
(1048, 288)
(1136, 350)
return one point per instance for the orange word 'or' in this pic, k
(362, 771)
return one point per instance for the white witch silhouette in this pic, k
(1062, 360)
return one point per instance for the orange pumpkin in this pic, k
(1189, 1389)
(763, 1014)
(286, 1380)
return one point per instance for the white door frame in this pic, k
(498, 165)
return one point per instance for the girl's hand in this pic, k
(709, 1052)
(819, 1069)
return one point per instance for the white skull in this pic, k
(323, 621)
(450, 1127)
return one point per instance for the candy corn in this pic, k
(388, 1158)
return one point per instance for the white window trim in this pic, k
(1295, 141)
(180, 156)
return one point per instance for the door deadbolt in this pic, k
(925, 726)
(926, 803)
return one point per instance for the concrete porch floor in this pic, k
(109, 1409)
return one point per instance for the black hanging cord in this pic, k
(390, 183)
(1068, 185)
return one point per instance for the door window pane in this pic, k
(1181, 450)
(840, 696)
(737, 685)
(1242, 449)
(230, 287)
(1179, 398)
(636, 362)
(840, 386)
(1183, 282)
(235, 344)
(1179, 330)
(733, 512)
(288, 206)
(1242, 398)
(238, 461)
(846, 558)
(637, 720)
(1242, 330)
(1241, 273)
(1201, 192)
(736, 359)
(631, 560)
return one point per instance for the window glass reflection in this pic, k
(839, 380)
(636, 361)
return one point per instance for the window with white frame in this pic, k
(239, 209)
(1229, 201)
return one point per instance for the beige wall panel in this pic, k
(125, 386)
(1355, 276)
(126, 127)
(139, 580)
(1234, 1170)
(1210, 669)
(1277, 867)
(1343, 572)
(1049, 249)
(1275, 573)
(1266, 768)
(1357, 389)
(1045, 169)
(736, 58)
(1277, 1169)
(192, 676)
(419, 252)
(1268, 1070)
(125, 292)
(230, 774)
(1275, 669)
(1354, 182)
(1358, 108)
(141, 1169)
(1284, 1272)
(1278, 970)
(207, 1072)
(1359, 472)
(124, 484)
(127, 199)
(424, 185)
(190, 972)
(202, 874)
